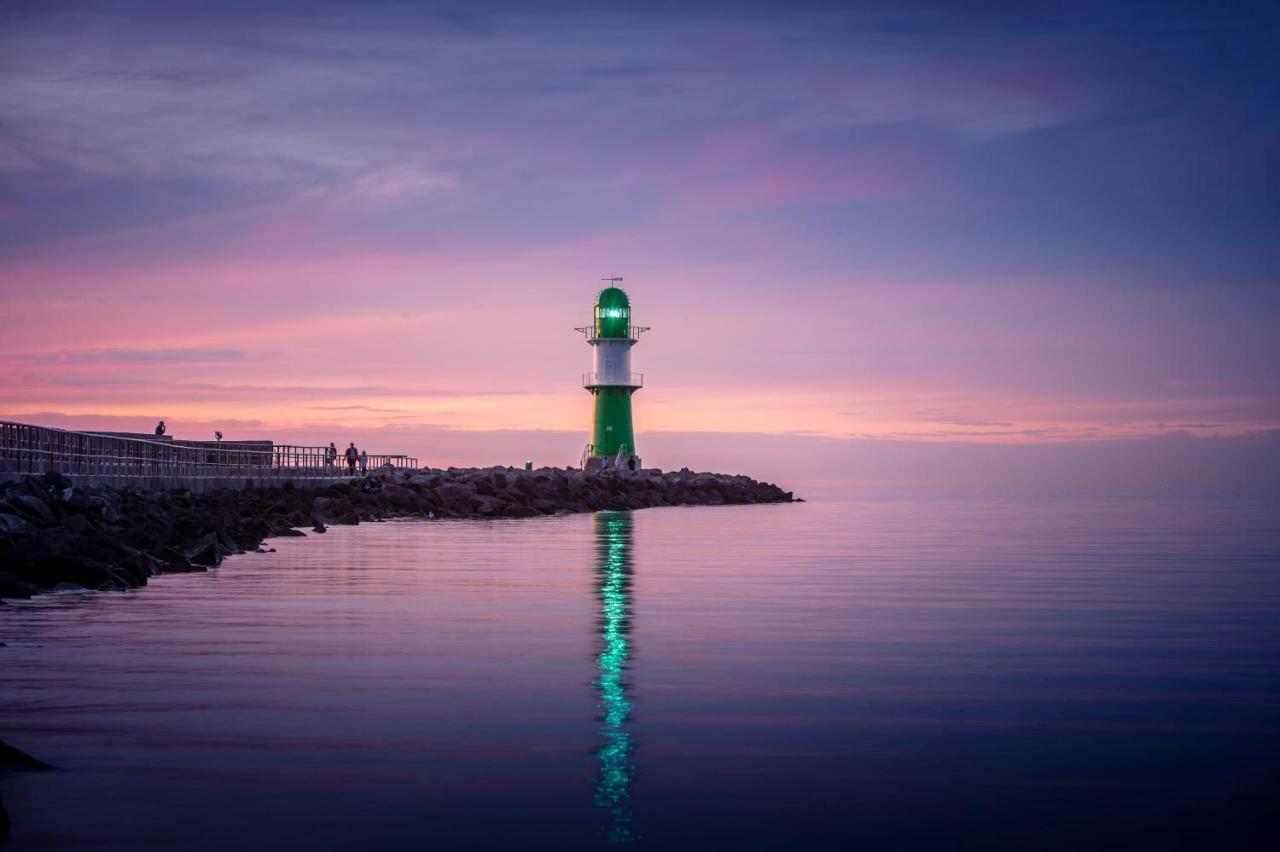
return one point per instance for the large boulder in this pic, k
(284, 527)
(519, 510)
(134, 570)
(455, 494)
(84, 571)
(14, 525)
(322, 507)
(486, 505)
(400, 496)
(546, 507)
(228, 544)
(13, 586)
(172, 560)
(143, 561)
(107, 508)
(204, 550)
(55, 481)
(33, 507)
(77, 524)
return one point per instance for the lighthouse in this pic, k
(611, 382)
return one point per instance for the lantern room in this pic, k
(612, 314)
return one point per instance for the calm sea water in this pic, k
(875, 674)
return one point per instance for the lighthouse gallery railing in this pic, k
(633, 332)
(597, 380)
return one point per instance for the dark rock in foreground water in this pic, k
(15, 758)
(52, 531)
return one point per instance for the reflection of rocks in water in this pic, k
(613, 575)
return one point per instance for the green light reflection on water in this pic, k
(613, 783)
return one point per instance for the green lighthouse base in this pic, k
(613, 442)
(611, 430)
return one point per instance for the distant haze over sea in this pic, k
(1173, 462)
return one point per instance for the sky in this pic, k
(859, 232)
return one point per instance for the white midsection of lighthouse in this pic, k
(612, 361)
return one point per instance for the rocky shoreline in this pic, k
(56, 534)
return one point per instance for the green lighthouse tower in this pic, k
(611, 336)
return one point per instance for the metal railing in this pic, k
(27, 449)
(596, 380)
(624, 453)
(633, 332)
(396, 461)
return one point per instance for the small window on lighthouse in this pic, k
(609, 428)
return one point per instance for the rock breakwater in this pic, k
(54, 533)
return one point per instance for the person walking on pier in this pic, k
(364, 462)
(160, 428)
(330, 455)
(353, 455)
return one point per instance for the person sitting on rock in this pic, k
(160, 428)
(353, 455)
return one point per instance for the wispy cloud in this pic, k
(368, 408)
(126, 356)
(952, 419)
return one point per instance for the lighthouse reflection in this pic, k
(613, 590)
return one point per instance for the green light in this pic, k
(613, 544)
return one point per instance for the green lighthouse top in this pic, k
(613, 297)
(613, 313)
(612, 319)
